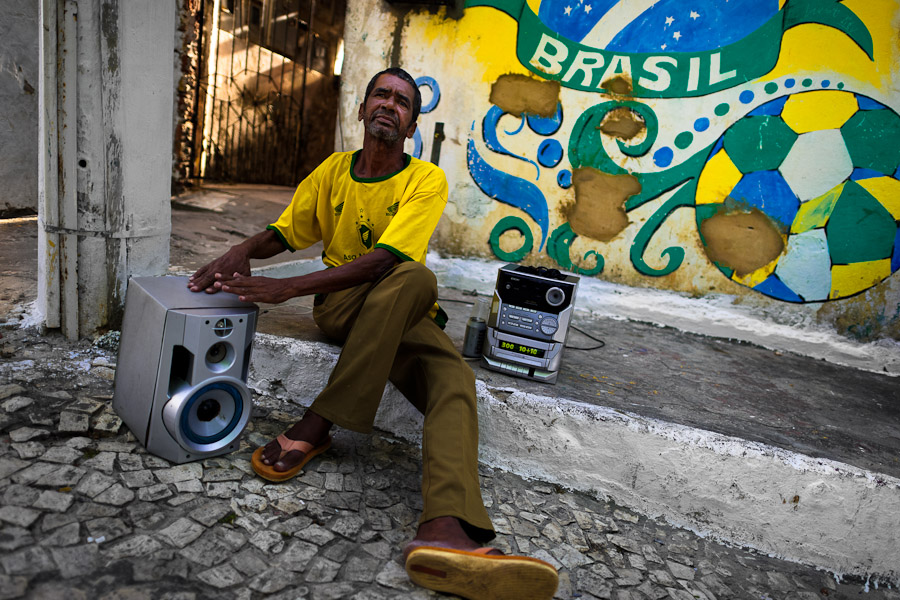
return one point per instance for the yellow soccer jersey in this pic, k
(352, 216)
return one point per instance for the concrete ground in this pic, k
(712, 400)
(86, 512)
(18, 263)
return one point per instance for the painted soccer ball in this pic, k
(822, 167)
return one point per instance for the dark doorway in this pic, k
(268, 89)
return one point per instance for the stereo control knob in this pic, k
(549, 325)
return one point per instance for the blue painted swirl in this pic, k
(509, 189)
(489, 131)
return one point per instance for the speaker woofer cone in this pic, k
(208, 416)
(208, 410)
(227, 403)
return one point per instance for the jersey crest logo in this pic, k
(366, 231)
(392, 209)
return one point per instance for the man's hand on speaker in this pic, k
(205, 279)
(257, 289)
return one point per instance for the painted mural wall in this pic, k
(748, 148)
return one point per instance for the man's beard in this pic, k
(382, 132)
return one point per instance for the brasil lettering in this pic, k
(666, 75)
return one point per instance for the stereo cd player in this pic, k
(529, 322)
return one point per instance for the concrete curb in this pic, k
(720, 316)
(814, 511)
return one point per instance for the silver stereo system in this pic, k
(182, 368)
(529, 321)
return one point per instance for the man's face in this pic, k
(387, 113)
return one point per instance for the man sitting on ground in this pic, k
(375, 210)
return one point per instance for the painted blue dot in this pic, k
(564, 179)
(701, 124)
(746, 97)
(546, 125)
(663, 157)
(826, 83)
(789, 83)
(550, 152)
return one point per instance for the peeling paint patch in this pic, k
(445, 9)
(518, 94)
(743, 241)
(109, 26)
(623, 123)
(871, 315)
(599, 208)
(620, 84)
(455, 239)
(402, 19)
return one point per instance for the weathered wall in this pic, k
(746, 149)
(188, 39)
(19, 102)
(105, 156)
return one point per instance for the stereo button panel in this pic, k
(527, 321)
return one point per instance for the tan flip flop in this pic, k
(477, 575)
(269, 473)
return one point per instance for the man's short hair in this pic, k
(398, 72)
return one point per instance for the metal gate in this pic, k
(271, 89)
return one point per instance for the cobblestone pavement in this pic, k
(85, 512)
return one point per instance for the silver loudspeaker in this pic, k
(182, 368)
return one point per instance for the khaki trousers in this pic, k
(388, 335)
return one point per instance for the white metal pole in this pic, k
(68, 196)
(48, 302)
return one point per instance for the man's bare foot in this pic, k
(311, 428)
(442, 532)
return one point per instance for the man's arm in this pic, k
(236, 260)
(366, 268)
